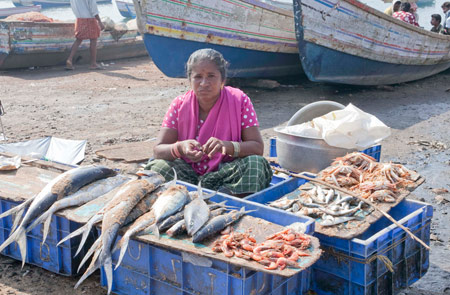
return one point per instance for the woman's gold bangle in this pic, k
(236, 148)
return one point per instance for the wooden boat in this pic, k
(49, 3)
(346, 41)
(5, 12)
(256, 38)
(126, 8)
(28, 44)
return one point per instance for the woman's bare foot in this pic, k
(69, 65)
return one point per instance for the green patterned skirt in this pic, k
(241, 176)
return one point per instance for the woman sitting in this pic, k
(405, 15)
(211, 132)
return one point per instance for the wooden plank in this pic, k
(129, 152)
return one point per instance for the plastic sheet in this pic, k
(54, 149)
(349, 128)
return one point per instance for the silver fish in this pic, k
(84, 195)
(329, 221)
(169, 202)
(114, 217)
(341, 212)
(196, 213)
(177, 229)
(65, 184)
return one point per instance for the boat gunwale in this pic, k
(389, 18)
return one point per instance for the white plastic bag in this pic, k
(349, 128)
(7, 163)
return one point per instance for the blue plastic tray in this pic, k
(354, 266)
(58, 259)
(350, 266)
(148, 269)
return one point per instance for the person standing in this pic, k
(87, 26)
(446, 8)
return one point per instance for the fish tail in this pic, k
(94, 248)
(18, 208)
(37, 221)
(47, 223)
(95, 264)
(199, 189)
(153, 229)
(20, 237)
(174, 180)
(124, 242)
(73, 234)
(107, 267)
(83, 239)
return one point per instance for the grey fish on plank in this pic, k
(82, 196)
(218, 223)
(113, 218)
(180, 226)
(65, 184)
(169, 202)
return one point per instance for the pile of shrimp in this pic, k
(276, 252)
(362, 174)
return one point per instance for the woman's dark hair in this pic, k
(436, 17)
(207, 54)
(405, 7)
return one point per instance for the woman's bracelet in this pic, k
(174, 151)
(236, 148)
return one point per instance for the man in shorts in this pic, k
(87, 26)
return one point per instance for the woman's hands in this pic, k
(190, 149)
(215, 145)
(194, 151)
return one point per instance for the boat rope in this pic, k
(342, 257)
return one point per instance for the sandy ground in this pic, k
(126, 103)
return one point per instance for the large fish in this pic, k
(65, 184)
(196, 213)
(84, 195)
(169, 202)
(114, 217)
(218, 223)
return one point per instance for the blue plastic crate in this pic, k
(58, 259)
(351, 267)
(354, 266)
(149, 269)
(374, 151)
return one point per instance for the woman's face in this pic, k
(206, 81)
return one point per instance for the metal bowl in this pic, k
(299, 154)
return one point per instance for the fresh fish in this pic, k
(114, 217)
(283, 203)
(84, 195)
(218, 223)
(196, 213)
(330, 220)
(169, 202)
(329, 196)
(177, 229)
(17, 212)
(65, 184)
(145, 204)
(341, 212)
(170, 221)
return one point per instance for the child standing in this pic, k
(436, 23)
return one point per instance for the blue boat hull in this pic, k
(322, 64)
(170, 56)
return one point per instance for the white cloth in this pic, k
(447, 20)
(84, 8)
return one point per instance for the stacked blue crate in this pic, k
(356, 266)
(148, 269)
(58, 259)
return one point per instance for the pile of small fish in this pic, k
(276, 252)
(316, 201)
(362, 174)
(145, 204)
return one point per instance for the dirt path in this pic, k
(126, 103)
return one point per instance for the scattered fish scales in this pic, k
(65, 184)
